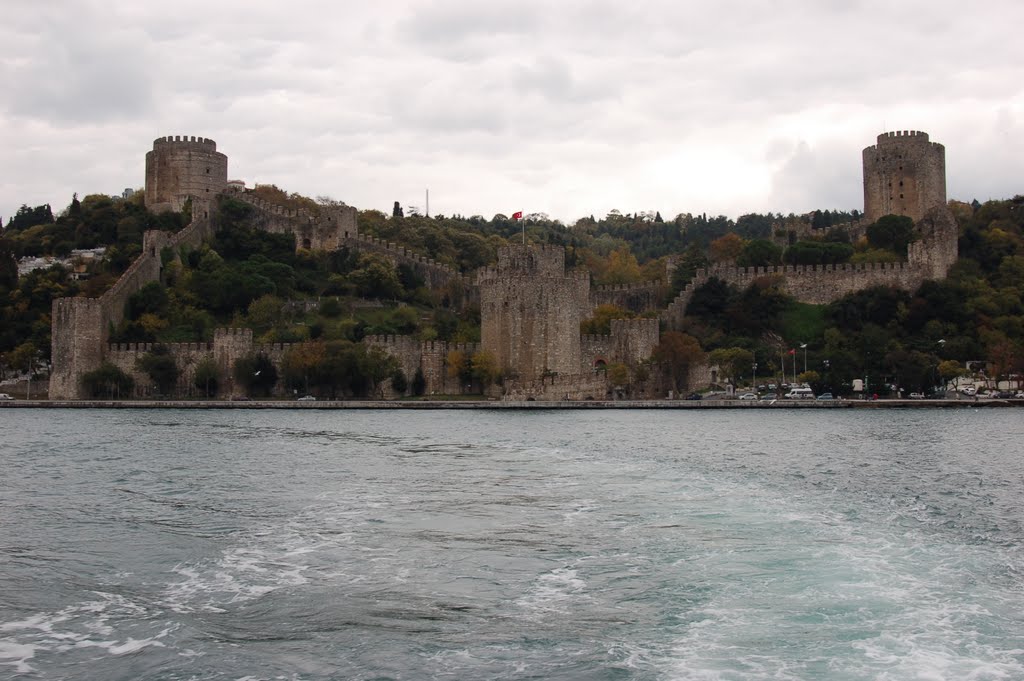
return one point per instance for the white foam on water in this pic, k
(17, 655)
(552, 592)
(823, 594)
(75, 627)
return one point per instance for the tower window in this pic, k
(901, 196)
(207, 171)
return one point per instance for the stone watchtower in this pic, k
(530, 311)
(181, 166)
(904, 174)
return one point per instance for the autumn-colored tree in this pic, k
(601, 323)
(302, 362)
(727, 248)
(732, 362)
(618, 374)
(623, 267)
(485, 368)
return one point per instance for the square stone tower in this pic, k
(530, 311)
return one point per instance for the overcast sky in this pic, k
(569, 108)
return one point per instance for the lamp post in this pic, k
(804, 346)
(755, 377)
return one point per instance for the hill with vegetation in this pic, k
(248, 278)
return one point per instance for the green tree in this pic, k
(256, 374)
(678, 352)
(891, 232)
(107, 381)
(207, 376)
(732, 362)
(161, 368)
(759, 253)
(398, 382)
(419, 382)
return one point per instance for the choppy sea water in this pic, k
(512, 545)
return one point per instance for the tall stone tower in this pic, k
(182, 166)
(904, 174)
(530, 311)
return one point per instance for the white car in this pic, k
(5, 396)
(748, 396)
(969, 390)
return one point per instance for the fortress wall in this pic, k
(230, 345)
(591, 385)
(637, 298)
(595, 349)
(187, 356)
(634, 340)
(327, 232)
(431, 356)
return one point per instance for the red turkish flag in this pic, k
(518, 215)
(792, 351)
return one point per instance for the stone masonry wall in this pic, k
(80, 327)
(530, 311)
(431, 356)
(637, 298)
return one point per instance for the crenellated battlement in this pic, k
(640, 286)
(902, 135)
(205, 143)
(176, 349)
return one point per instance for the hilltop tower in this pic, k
(530, 311)
(180, 166)
(904, 174)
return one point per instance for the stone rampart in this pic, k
(430, 356)
(325, 232)
(592, 385)
(641, 297)
(187, 356)
(80, 327)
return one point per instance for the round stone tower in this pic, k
(180, 166)
(904, 174)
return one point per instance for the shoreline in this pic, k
(495, 404)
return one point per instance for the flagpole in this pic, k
(523, 218)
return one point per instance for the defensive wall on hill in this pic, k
(80, 327)
(928, 258)
(637, 298)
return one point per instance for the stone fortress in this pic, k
(530, 307)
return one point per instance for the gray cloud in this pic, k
(570, 108)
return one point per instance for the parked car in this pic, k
(1019, 394)
(1005, 395)
(306, 398)
(916, 396)
(5, 396)
(748, 396)
(825, 396)
(969, 390)
(693, 396)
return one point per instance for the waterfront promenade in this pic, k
(501, 404)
